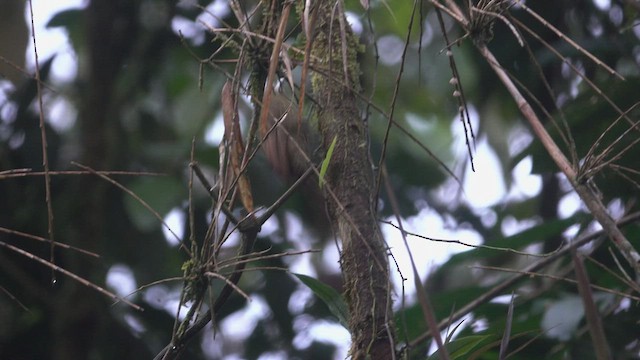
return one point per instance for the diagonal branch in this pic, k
(591, 200)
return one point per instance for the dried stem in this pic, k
(590, 199)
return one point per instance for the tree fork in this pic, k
(350, 177)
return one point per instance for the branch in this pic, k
(590, 199)
(249, 228)
(524, 273)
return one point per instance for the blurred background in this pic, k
(124, 90)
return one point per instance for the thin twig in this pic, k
(81, 280)
(569, 40)
(55, 243)
(136, 197)
(423, 297)
(591, 200)
(43, 138)
(394, 98)
(16, 173)
(479, 246)
(508, 283)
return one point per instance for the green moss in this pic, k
(331, 56)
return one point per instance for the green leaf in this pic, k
(459, 348)
(325, 162)
(329, 296)
(73, 22)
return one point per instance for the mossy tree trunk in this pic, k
(351, 199)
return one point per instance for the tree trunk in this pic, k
(350, 191)
(80, 323)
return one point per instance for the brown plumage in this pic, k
(289, 163)
(280, 144)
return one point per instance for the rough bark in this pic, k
(350, 179)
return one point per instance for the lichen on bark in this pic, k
(351, 180)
